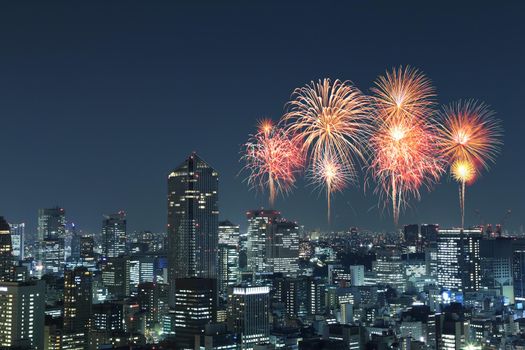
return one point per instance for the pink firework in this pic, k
(272, 159)
(330, 173)
(405, 153)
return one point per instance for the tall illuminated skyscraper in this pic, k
(248, 314)
(228, 256)
(77, 299)
(114, 235)
(282, 247)
(228, 233)
(17, 240)
(22, 315)
(193, 212)
(195, 307)
(51, 223)
(258, 222)
(458, 260)
(51, 233)
(6, 262)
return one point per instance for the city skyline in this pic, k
(90, 83)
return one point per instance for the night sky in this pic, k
(100, 99)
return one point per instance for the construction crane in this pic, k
(505, 217)
(478, 215)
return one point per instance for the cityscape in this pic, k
(381, 213)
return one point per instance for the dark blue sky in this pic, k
(99, 99)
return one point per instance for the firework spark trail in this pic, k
(404, 152)
(331, 122)
(330, 173)
(469, 139)
(272, 159)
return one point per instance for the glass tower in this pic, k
(193, 213)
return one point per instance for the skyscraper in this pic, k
(282, 247)
(52, 255)
(51, 223)
(77, 299)
(51, 232)
(228, 256)
(458, 254)
(22, 315)
(411, 235)
(249, 314)
(87, 245)
(114, 234)
(228, 267)
(17, 240)
(228, 233)
(258, 221)
(195, 307)
(193, 213)
(115, 274)
(6, 262)
(429, 233)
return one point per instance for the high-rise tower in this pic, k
(193, 213)
(6, 262)
(77, 299)
(114, 235)
(458, 257)
(258, 225)
(51, 223)
(51, 233)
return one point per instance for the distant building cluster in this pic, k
(206, 283)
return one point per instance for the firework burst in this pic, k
(469, 140)
(463, 171)
(404, 152)
(330, 120)
(272, 159)
(468, 131)
(332, 175)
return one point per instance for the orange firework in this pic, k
(404, 152)
(469, 139)
(463, 171)
(468, 131)
(331, 121)
(272, 159)
(329, 172)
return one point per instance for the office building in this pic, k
(195, 307)
(282, 247)
(458, 254)
(258, 221)
(388, 269)
(51, 223)
(52, 255)
(114, 235)
(411, 235)
(148, 298)
(22, 315)
(228, 267)
(249, 314)
(6, 259)
(87, 245)
(228, 233)
(293, 294)
(115, 276)
(55, 338)
(108, 317)
(17, 240)
(77, 299)
(357, 275)
(193, 213)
